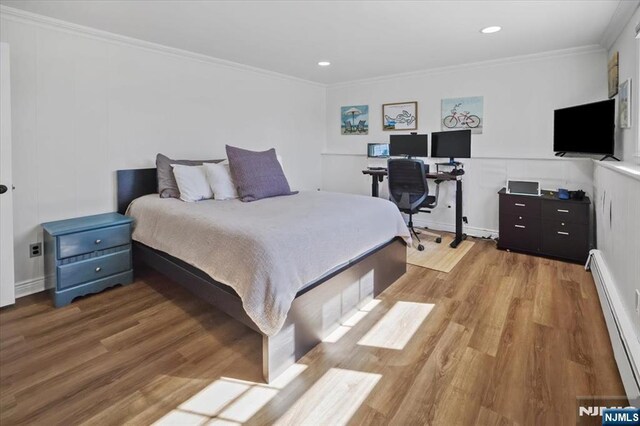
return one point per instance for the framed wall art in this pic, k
(400, 116)
(354, 120)
(613, 75)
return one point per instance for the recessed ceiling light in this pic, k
(490, 30)
(324, 63)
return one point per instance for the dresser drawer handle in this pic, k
(98, 269)
(563, 211)
(98, 241)
(563, 233)
(521, 205)
(520, 226)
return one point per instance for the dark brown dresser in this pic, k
(545, 225)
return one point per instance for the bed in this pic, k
(291, 268)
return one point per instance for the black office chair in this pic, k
(409, 191)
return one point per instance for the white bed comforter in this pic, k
(269, 249)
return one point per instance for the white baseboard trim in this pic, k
(28, 287)
(451, 227)
(626, 345)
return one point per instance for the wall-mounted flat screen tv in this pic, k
(585, 128)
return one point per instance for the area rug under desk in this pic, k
(436, 256)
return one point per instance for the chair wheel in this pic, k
(438, 240)
(420, 247)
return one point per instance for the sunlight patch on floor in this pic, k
(350, 322)
(332, 400)
(229, 401)
(396, 328)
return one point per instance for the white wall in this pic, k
(627, 143)
(85, 106)
(520, 96)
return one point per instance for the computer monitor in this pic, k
(409, 145)
(377, 150)
(453, 144)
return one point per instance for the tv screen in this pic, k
(585, 128)
(409, 145)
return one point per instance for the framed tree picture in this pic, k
(613, 75)
(400, 116)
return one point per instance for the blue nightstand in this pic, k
(86, 255)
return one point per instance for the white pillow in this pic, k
(192, 183)
(220, 181)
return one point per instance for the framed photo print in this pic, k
(400, 116)
(624, 104)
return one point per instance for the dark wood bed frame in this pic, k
(317, 309)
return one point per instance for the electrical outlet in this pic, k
(35, 249)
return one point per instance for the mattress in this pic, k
(267, 250)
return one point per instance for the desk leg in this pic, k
(374, 185)
(459, 235)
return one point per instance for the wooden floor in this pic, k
(504, 338)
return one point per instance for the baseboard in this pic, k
(626, 347)
(28, 287)
(450, 227)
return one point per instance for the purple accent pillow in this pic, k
(257, 175)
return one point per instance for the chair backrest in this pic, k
(407, 183)
(347, 125)
(361, 124)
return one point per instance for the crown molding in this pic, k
(581, 50)
(22, 16)
(619, 20)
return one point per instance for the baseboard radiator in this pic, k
(626, 347)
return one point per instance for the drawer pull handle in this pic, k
(98, 269)
(520, 217)
(563, 233)
(98, 241)
(521, 205)
(563, 211)
(520, 226)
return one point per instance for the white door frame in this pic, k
(7, 278)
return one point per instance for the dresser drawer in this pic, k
(520, 205)
(90, 241)
(565, 212)
(519, 232)
(92, 269)
(564, 239)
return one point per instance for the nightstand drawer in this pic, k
(520, 205)
(566, 212)
(564, 239)
(90, 241)
(92, 269)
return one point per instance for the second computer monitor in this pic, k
(409, 145)
(453, 144)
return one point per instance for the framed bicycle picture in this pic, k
(463, 113)
(400, 116)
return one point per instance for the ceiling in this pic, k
(362, 39)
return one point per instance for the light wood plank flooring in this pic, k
(504, 338)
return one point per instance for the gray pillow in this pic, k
(257, 175)
(167, 186)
